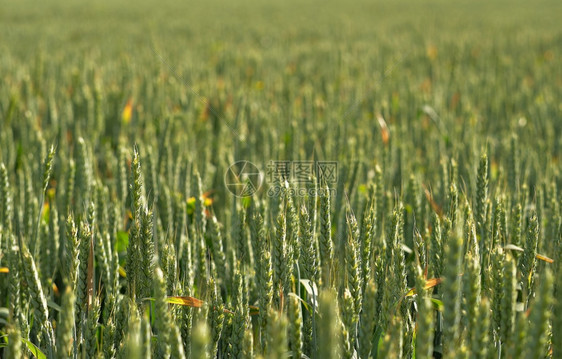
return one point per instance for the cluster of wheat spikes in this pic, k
(141, 272)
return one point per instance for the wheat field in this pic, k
(359, 179)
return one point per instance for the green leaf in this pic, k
(122, 241)
(306, 306)
(246, 202)
(437, 304)
(190, 205)
(53, 305)
(34, 350)
(312, 291)
(46, 213)
(362, 188)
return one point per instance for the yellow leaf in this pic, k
(436, 208)
(544, 258)
(127, 114)
(186, 301)
(4, 270)
(431, 52)
(430, 283)
(385, 133)
(51, 192)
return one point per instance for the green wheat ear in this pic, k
(307, 247)
(295, 326)
(367, 238)
(147, 254)
(90, 336)
(176, 343)
(14, 347)
(557, 313)
(146, 336)
(425, 329)
(328, 325)
(472, 292)
(527, 262)
(479, 342)
(537, 339)
(276, 336)
(162, 320)
(5, 199)
(38, 299)
(349, 322)
(325, 242)
(85, 240)
(279, 257)
(84, 177)
(353, 265)
(264, 278)
(200, 340)
(452, 291)
(436, 248)
(368, 320)
(481, 191)
(217, 249)
(132, 346)
(216, 318)
(248, 344)
(65, 324)
(393, 340)
(508, 300)
(121, 174)
(48, 168)
(14, 281)
(309, 270)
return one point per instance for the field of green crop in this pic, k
(300, 179)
